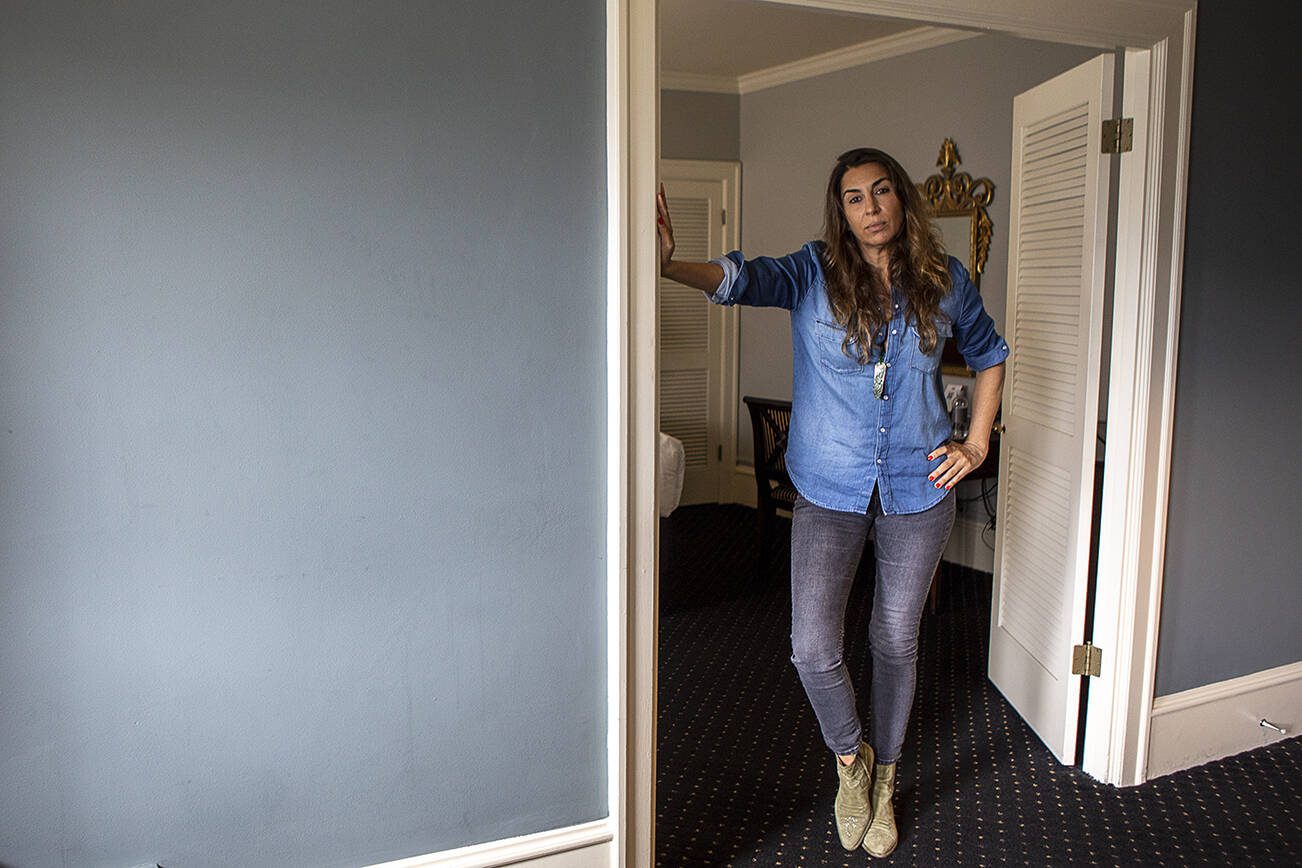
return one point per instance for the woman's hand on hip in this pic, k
(960, 460)
(665, 230)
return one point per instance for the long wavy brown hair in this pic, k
(860, 296)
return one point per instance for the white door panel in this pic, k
(697, 339)
(1057, 254)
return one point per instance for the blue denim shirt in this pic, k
(844, 441)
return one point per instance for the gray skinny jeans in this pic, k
(825, 549)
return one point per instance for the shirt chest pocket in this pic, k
(922, 361)
(828, 344)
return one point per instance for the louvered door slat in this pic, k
(1050, 243)
(1067, 168)
(685, 338)
(684, 412)
(684, 326)
(1049, 319)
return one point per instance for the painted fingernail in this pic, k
(660, 220)
(948, 487)
(938, 485)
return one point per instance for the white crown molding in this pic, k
(907, 42)
(695, 81)
(1101, 23)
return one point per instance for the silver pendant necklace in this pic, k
(879, 373)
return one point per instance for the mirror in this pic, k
(956, 233)
(958, 206)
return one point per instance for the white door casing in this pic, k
(698, 340)
(1151, 230)
(1056, 265)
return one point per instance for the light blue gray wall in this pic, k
(301, 428)
(699, 126)
(1232, 590)
(907, 106)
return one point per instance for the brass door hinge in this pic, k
(1086, 659)
(1118, 135)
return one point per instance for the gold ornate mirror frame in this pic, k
(952, 193)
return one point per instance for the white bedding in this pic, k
(669, 480)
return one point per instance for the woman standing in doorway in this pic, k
(871, 306)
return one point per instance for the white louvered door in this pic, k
(1056, 279)
(695, 392)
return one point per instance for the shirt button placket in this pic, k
(880, 446)
(883, 485)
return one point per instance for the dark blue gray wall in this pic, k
(1232, 591)
(301, 428)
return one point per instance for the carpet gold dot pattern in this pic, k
(744, 779)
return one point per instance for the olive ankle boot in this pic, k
(881, 836)
(853, 808)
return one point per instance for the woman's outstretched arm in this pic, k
(733, 279)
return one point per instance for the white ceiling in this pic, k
(734, 37)
(739, 45)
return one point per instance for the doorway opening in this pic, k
(769, 234)
(1157, 91)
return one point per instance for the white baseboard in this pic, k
(588, 845)
(743, 485)
(1219, 720)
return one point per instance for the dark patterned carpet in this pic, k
(744, 778)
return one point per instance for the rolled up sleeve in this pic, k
(723, 293)
(974, 331)
(766, 281)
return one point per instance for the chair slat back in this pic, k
(770, 422)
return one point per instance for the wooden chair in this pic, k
(770, 421)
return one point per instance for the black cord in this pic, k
(985, 497)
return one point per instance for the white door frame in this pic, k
(1141, 392)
